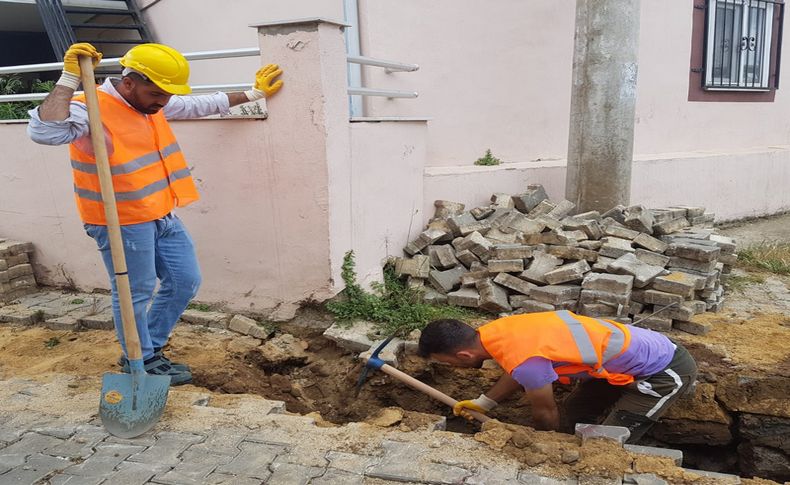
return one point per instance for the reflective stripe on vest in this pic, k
(576, 345)
(150, 175)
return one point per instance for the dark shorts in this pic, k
(636, 406)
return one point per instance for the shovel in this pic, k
(131, 404)
(375, 363)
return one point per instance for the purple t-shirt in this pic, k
(649, 353)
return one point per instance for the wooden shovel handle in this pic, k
(425, 388)
(110, 210)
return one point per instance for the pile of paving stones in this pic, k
(525, 253)
(16, 273)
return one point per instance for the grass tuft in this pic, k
(395, 307)
(767, 256)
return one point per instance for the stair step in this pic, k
(107, 26)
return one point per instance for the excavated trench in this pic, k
(322, 379)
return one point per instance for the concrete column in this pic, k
(603, 101)
(308, 127)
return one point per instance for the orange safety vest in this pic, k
(576, 345)
(149, 172)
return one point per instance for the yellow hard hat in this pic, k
(163, 65)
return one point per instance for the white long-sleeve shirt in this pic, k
(76, 125)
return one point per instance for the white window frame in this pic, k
(749, 46)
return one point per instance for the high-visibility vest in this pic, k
(149, 172)
(578, 346)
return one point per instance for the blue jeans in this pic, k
(163, 250)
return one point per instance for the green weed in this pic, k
(737, 283)
(201, 307)
(488, 159)
(395, 307)
(767, 256)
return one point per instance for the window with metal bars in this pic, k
(740, 39)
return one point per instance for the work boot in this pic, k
(158, 366)
(122, 362)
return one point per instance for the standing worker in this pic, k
(634, 373)
(150, 177)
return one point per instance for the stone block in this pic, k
(570, 305)
(496, 236)
(635, 307)
(639, 219)
(65, 323)
(534, 195)
(206, 319)
(466, 297)
(518, 222)
(505, 266)
(651, 258)
(643, 479)
(253, 460)
(675, 455)
(620, 284)
(568, 273)
(493, 298)
(572, 253)
(561, 209)
(659, 323)
(723, 478)
(541, 209)
(614, 247)
(18, 259)
(355, 337)
(696, 252)
(679, 283)
(618, 434)
(691, 211)
(481, 212)
(511, 251)
(602, 265)
(541, 264)
(243, 325)
(726, 244)
(685, 311)
(19, 315)
(526, 305)
(611, 227)
(591, 228)
(650, 243)
(446, 209)
(530, 478)
(467, 257)
(22, 282)
(98, 321)
(597, 296)
(728, 259)
(643, 273)
(661, 298)
(20, 271)
(442, 257)
(669, 227)
(591, 245)
(706, 267)
(555, 294)
(556, 237)
(477, 244)
(446, 281)
(472, 277)
(597, 309)
(12, 248)
(404, 462)
(504, 201)
(433, 297)
(693, 326)
(514, 283)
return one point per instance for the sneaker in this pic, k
(158, 366)
(123, 363)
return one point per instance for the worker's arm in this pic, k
(59, 120)
(545, 414)
(189, 107)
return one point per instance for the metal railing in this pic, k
(390, 66)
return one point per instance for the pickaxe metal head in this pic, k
(373, 362)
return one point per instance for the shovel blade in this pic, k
(131, 404)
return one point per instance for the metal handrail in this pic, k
(390, 66)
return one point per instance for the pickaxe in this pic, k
(375, 363)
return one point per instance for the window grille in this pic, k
(739, 42)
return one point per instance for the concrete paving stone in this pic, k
(573, 253)
(167, 448)
(651, 258)
(65, 304)
(591, 245)
(542, 209)
(683, 264)
(614, 247)
(693, 327)
(526, 305)
(221, 478)
(481, 212)
(533, 478)
(335, 477)
(534, 195)
(62, 479)
(354, 337)
(133, 473)
(145, 440)
(195, 466)
(680, 283)
(541, 264)
(659, 323)
(253, 461)
(472, 277)
(639, 219)
(555, 294)
(694, 251)
(221, 442)
(561, 209)
(103, 462)
(38, 298)
(467, 257)
(402, 462)
(613, 228)
(293, 474)
(304, 454)
(602, 265)
(447, 208)
(493, 297)
(418, 266)
(505, 266)
(650, 243)
(62, 432)
(495, 475)
(497, 236)
(19, 315)
(10, 247)
(388, 354)
(617, 434)
(206, 319)
(567, 273)
(593, 480)
(465, 297)
(723, 477)
(81, 444)
(643, 479)
(675, 455)
(447, 281)
(442, 257)
(9, 434)
(604, 297)
(643, 274)
(511, 251)
(15, 454)
(661, 298)
(612, 283)
(514, 283)
(668, 227)
(34, 469)
(98, 321)
(351, 462)
(67, 323)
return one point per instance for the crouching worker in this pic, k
(634, 373)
